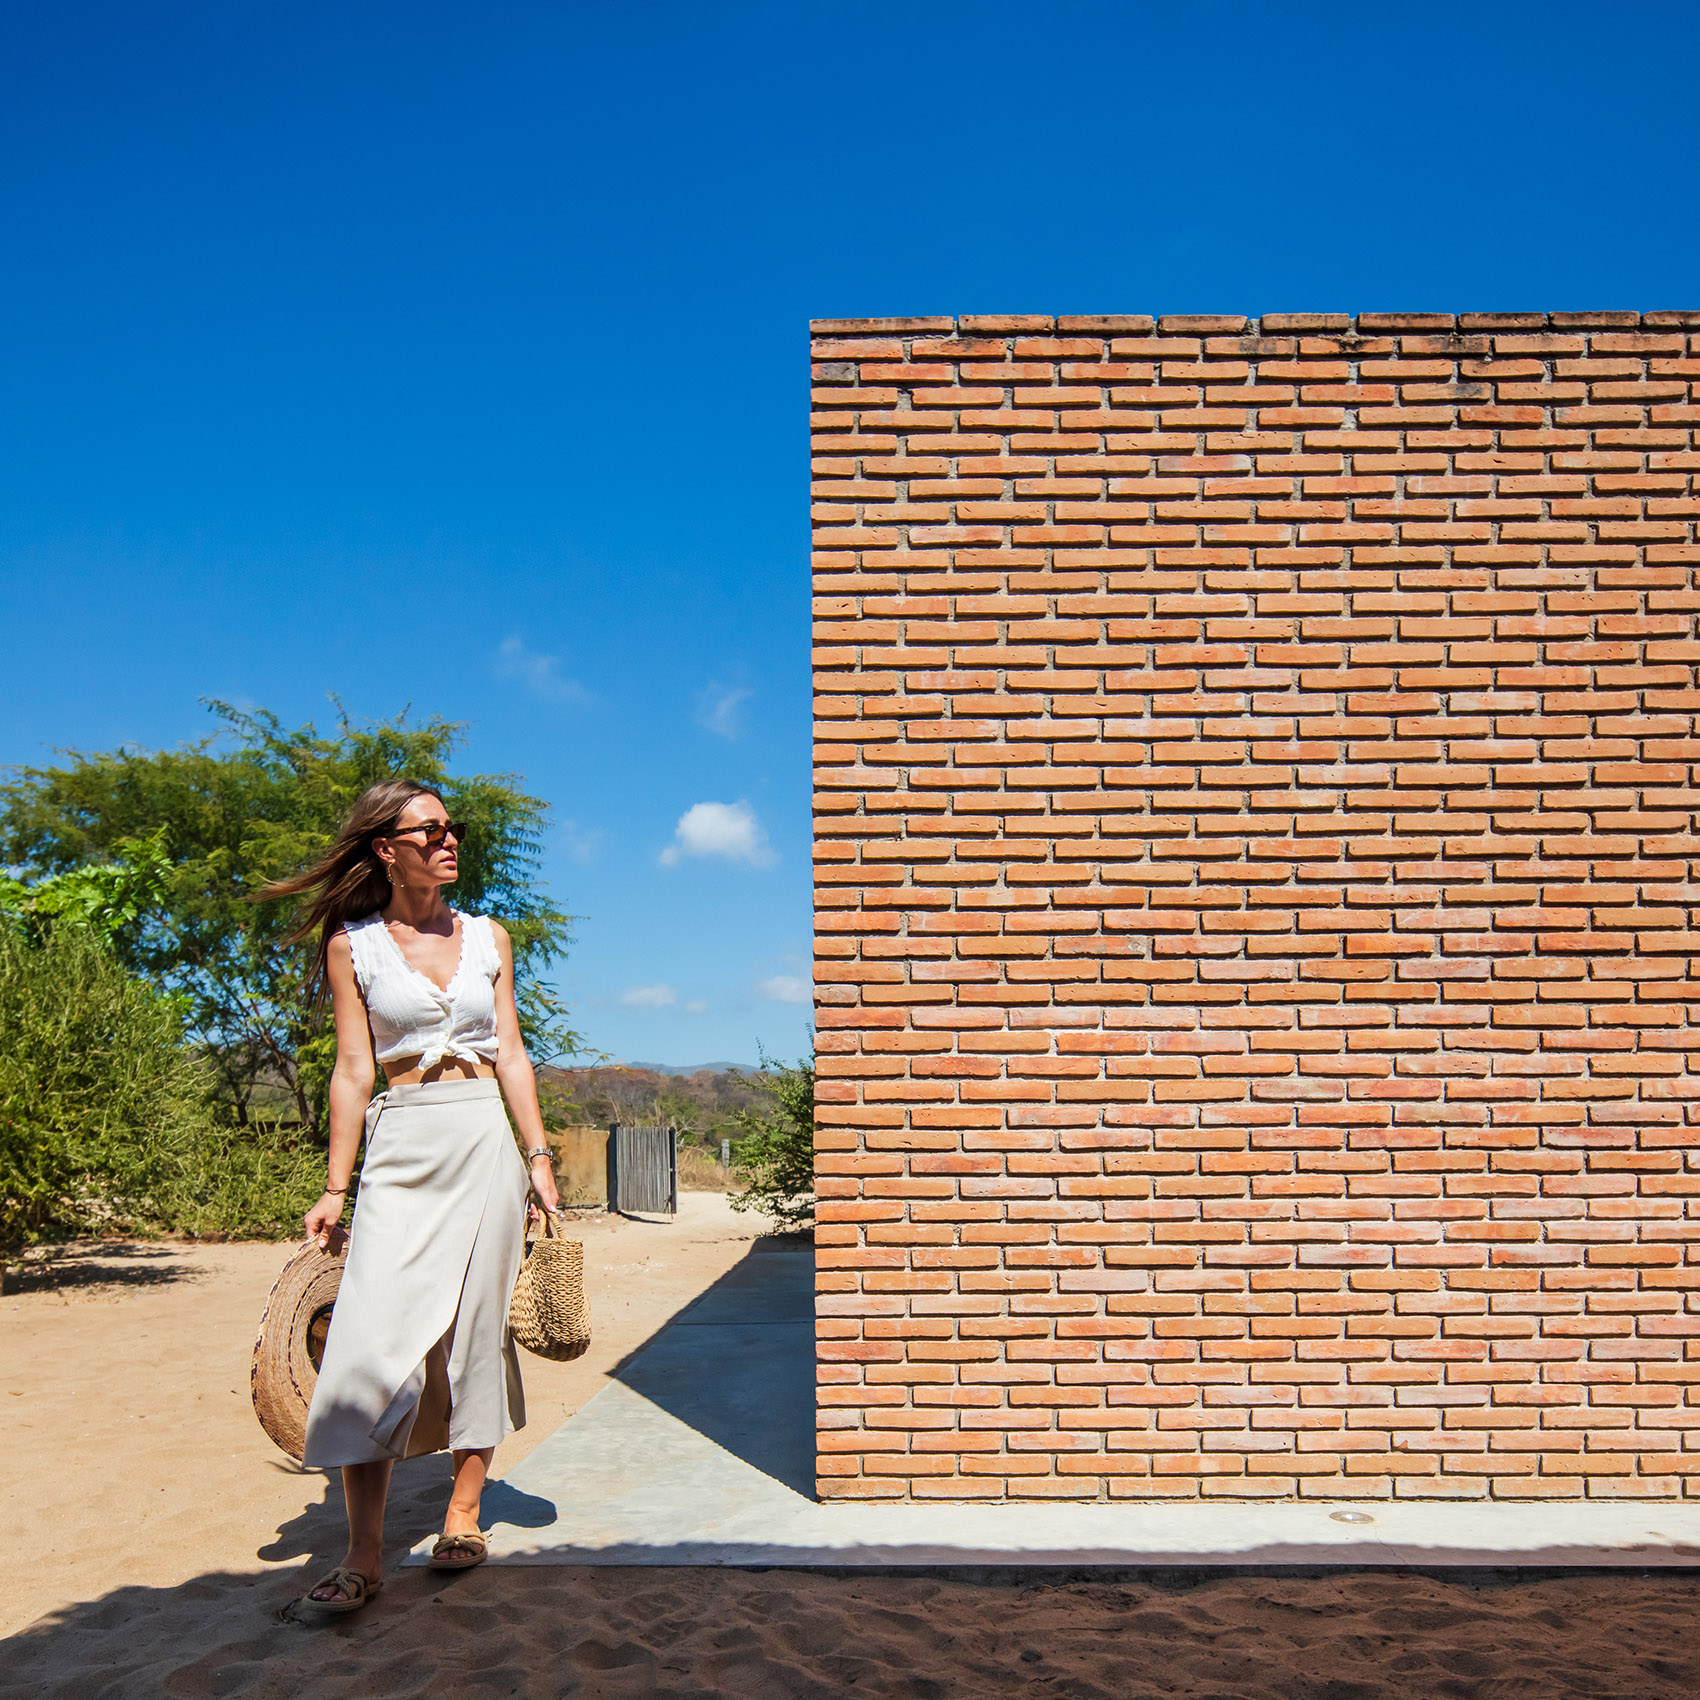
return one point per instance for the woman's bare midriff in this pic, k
(406, 1072)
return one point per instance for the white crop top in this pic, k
(411, 1015)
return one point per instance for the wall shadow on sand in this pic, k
(698, 1634)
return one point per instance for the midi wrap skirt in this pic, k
(418, 1356)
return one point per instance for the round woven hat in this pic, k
(292, 1340)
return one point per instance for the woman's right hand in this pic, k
(324, 1222)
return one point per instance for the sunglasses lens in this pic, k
(434, 832)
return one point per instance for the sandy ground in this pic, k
(128, 1444)
(157, 1540)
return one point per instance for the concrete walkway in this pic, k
(701, 1451)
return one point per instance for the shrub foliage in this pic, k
(97, 1091)
(108, 1122)
(775, 1153)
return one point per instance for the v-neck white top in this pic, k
(411, 1015)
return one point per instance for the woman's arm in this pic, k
(351, 1091)
(514, 1072)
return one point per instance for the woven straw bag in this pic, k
(548, 1314)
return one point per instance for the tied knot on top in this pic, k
(446, 1050)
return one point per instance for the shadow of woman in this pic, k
(419, 1489)
(236, 1633)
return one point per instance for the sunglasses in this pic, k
(435, 832)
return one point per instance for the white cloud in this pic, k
(696, 1007)
(787, 988)
(579, 842)
(541, 674)
(728, 830)
(717, 709)
(649, 997)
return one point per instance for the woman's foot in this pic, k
(340, 1591)
(462, 1544)
(459, 1551)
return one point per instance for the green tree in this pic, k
(239, 809)
(775, 1152)
(113, 900)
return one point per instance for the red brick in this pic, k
(1251, 908)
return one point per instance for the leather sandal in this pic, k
(356, 1587)
(459, 1552)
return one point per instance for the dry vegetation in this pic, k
(702, 1106)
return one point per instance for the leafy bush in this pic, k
(248, 1182)
(107, 1123)
(775, 1154)
(97, 1092)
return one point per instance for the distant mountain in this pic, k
(693, 1068)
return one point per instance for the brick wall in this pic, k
(1255, 822)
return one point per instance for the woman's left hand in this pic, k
(543, 1183)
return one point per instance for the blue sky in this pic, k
(455, 356)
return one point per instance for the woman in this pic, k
(418, 1356)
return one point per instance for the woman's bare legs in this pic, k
(365, 1488)
(470, 1470)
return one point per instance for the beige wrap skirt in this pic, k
(418, 1356)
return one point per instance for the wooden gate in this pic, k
(643, 1170)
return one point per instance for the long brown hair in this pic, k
(348, 882)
